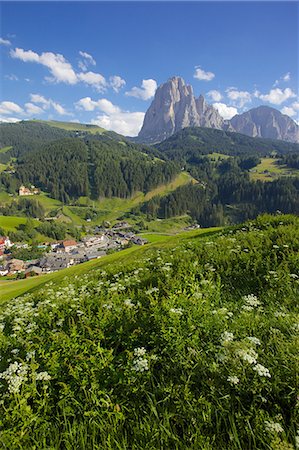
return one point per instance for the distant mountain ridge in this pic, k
(175, 107)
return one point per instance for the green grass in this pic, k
(73, 126)
(108, 208)
(5, 149)
(3, 167)
(269, 170)
(217, 156)
(10, 223)
(19, 287)
(112, 208)
(186, 344)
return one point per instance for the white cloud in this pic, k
(124, 122)
(286, 77)
(147, 90)
(61, 70)
(37, 98)
(278, 96)
(47, 103)
(200, 74)
(239, 98)
(116, 82)
(93, 79)
(4, 42)
(292, 110)
(113, 117)
(103, 104)
(10, 107)
(227, 112)
(32, 109)
(86, 103)
(9, 119)
(288, 110)
(60, 109)
(256, 93)
(86, 60)
(11, 77)
(26, 56)
(214, 95)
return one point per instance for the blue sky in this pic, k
(100, 62)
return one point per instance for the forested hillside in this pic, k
(192, 142)
(72, 168)
(69, 161)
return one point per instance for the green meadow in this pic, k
(190, 342)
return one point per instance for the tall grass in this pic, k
(188, 347)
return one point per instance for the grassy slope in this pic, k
(3, 167)
(111, 208)
(73, 126)
(11, 289)
(5, 149)
(274, 170)
(191, 345)
(10, 223)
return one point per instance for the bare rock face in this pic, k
(266, 122)
(174, 107)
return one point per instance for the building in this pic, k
(67, 246)
(33, 271)
(26, 191)
(15, 266)
(5, 242)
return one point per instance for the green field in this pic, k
(112, 208)
(5, 149)
(108, 208)
(73, 126)
(11, 289)
(217, 156)
(269, 170)
(10, 223)
(3, 167)
(186, 344)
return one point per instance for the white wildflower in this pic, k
(140, 365)
(233, 380)
(226, 337)
(30, 355)
(249, 355)
(152, 290)
(139, 351)
(262, 371)
(43, 376)
(15, 375)
(254, 340)
(273, 427)
(251, 300)
(107, 306)
(178, 311)
(129, 303)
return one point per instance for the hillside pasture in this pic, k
(269, 169)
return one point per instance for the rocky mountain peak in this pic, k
(174, 107)
(266, 122)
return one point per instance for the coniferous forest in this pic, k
(68, 164)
